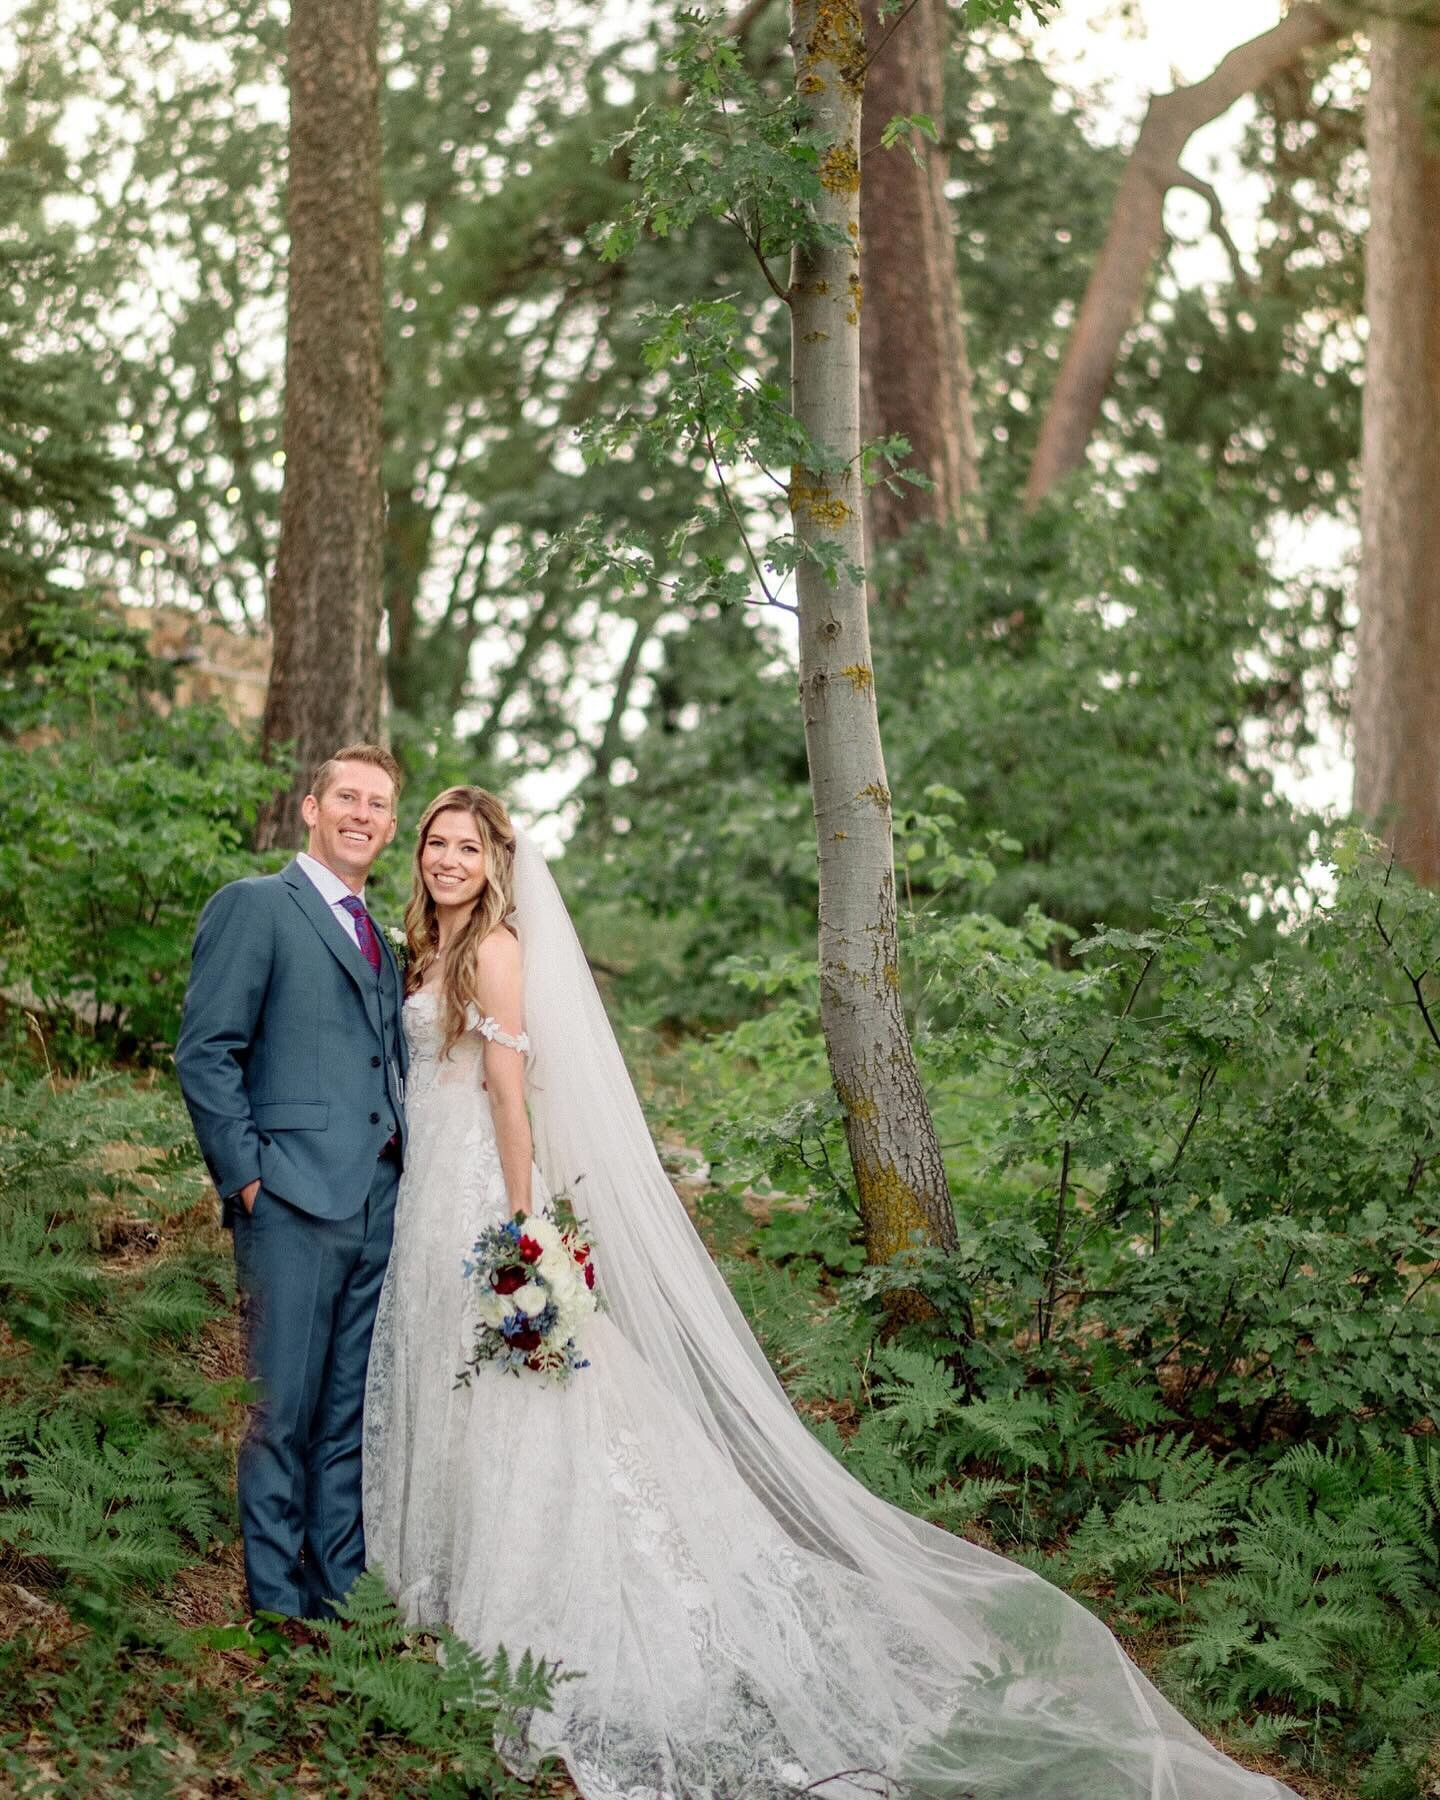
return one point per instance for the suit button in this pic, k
(264, 1140)
(374, 1118)
(374, 1062)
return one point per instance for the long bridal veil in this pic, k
(926, 1659)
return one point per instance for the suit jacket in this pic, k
(291, 1055)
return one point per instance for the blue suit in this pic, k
(292, 1058)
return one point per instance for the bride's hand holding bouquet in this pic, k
(536, 1289)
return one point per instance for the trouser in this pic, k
(309, 1289)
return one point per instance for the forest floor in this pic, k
(209, 1594)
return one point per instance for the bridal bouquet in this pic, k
(537, 1284)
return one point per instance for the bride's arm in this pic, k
(498, 996)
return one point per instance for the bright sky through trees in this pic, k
(1123, 51)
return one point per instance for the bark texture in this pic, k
(899, 1173)
(325, 601)
(1117, 286)
(914, 369)
(1397, 675)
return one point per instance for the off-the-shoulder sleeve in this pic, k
(489, 1028)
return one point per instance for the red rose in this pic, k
(589, 1275)
(525, 1340)
(506, 1281)
(530, 1250)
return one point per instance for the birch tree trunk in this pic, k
(1117, 287)
(1397, 674)
(325, 599)
(899, 1172)
(915, 372)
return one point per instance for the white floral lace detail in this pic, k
(490, 1028)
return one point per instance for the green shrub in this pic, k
(118, 819)
(1196, 1195)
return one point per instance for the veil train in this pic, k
(961, 1674)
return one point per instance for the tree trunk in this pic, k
(612, 740)
(405, 556)
(1397, 673)
(899, 1172)
(325, 599)
(1117, 286)
(914, 371)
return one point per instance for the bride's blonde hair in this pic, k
(494, 905)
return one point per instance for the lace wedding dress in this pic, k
(745, 1621)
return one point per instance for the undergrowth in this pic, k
(1185, 1360)
(1196, 1199)
(127, 1665)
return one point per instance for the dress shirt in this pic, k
(332, 891)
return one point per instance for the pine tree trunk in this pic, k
(325, 598)
(1397, 675)
(405, 556)
(914, 368)
(899, 1172)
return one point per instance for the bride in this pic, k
(746, 1620)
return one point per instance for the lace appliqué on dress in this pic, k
(490, 1028)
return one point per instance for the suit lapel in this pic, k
(397, 993)
(336, 939)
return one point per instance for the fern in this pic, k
(460, 1706)
(104, 1514)
(966, 1501)
(1331, 1599)
(915, 1392)
(1132, 1400)
(169, 1303)
(42, 1273)
(1081, 1433)
(818, 1346)
(1175, 1520)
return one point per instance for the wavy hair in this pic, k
(492, 907)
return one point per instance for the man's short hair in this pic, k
(374, 754)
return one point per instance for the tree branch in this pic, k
(905, 14)
(1184, 179)
(1117, 285)
(725, 494)
(740, 24)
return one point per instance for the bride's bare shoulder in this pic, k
(498, 952)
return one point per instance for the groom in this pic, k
(292, 1060)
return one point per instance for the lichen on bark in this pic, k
(899, 1171)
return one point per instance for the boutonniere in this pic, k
(399, 944)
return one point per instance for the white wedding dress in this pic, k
(745, 1620)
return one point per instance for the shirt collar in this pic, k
(332, 888)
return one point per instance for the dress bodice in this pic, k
(464, 1066)
(422, 1027)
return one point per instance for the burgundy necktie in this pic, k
(364, 930)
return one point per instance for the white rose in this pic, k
(559, 1271)
(579, 1305)
(530, 1299)
(493, 1310)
